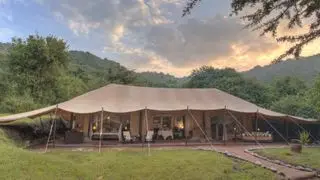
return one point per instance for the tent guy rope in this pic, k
(245, 129)
(51, 128)
(205, 135)
(301, 127)
(274, 129)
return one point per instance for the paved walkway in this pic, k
(290, 173)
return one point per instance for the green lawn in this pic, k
(18, 163)
(309, 157)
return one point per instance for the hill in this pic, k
(90, 61)
(306, 69)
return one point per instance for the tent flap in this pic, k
(33, 113)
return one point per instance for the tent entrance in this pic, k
(179, 127)
(216, 128)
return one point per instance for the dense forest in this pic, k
(41, 71)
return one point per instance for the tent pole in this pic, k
(286, 126)
(195, 120)
(147, 127)
(274, 128)
(204, 121)
(224, 126)
(239, 123)
(50, 132)
(55, 127)
(101, 124)
(256, 124)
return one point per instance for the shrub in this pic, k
(304, 137)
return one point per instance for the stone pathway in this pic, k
(239, 152)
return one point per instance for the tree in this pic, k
(295, 105)
(230, 81)
(314, 94)
(35, 63)
(288, 86)
(269, 14)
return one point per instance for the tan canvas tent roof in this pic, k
(122, 98)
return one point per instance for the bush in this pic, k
(304, 137)
(16, 103)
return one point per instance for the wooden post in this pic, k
(217, 131)
(204, 121)
(101, 124)
(287, 129)
(186, 134)
(256, 123)
(224, 126)
(147, 127)
(140, 125)
(54, 131)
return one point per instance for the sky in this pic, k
(146, 35)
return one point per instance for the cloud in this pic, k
(201, 41)
(151, 35)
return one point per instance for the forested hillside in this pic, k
(305, 68)
(40, 71)
(155, 79)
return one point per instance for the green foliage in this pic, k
(314, 94)
(18, 103)
(304, 137)
(154, 79)
(230, 81)
(67, 87)
(40, 71)
(295, 105)
(35, 64)
(288, 86)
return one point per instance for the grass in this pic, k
(18, 163)
(310, 157)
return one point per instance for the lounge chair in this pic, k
(127, 137)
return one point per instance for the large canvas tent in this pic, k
(115, 98)
(178, 113)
